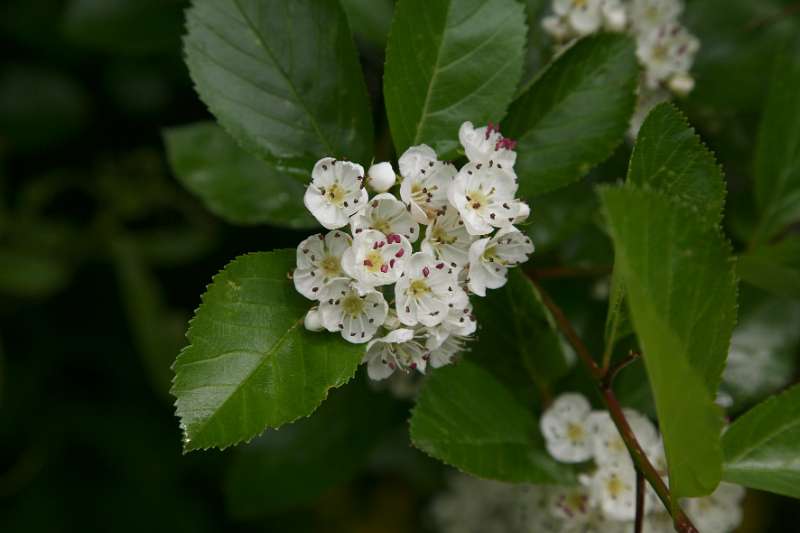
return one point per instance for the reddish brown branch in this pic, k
(639, 522)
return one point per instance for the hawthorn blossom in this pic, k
(451, 347)
(376, 259)
(485, 144)
(459, 321)
(566, 430)
(720, 512)
(425, 290)
(483, 194)
(570, 505)
(667, 53)
(398, 349)
(313, 320)
(649, 15)
(425, 182)
(609, 448)
(319, 259)
(447, 239)
(613, 491)
(490, 259)
(336, 192)
(355, 314)
(381, 176)
(583, 16)
(386, 214)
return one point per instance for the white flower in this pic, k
(571, 505)
(376, 259)
(613, 490)
(565, 428)
(583, 16)
(718, 513)
(459, 321)
(448, 240)
(386, 214)
(681, 84)
(451, 347)
(336, 192)
(425, 290)
(666, 52)
(483, 194)
(490, 259)
(556, 27)
(648, 15)
(615, 15)
(398, 349)
(425, 182)
(485, 144)
(608, 447)
(313, 320)
(381, 176)
(319, 260)
(357, 315)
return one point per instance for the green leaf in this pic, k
(574, 114)
(762, 447)
(670, 158)
(764, 347)
(282, 77)
(235, 185)
(774, 267)
(370, 20)
(448, 62)
(251, 364)
(296, 464)
(540, 45)
(466, 418)
(681, 290)
(777, 168)
(514, 322)
(29, 274)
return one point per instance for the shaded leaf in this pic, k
(681, 290)
(282, 77)
(573, 116)
(235, 185)
(467, 418)
(251, 364)
(448, 62)
(774, 267)
(761, 447)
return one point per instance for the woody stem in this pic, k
(603, 380)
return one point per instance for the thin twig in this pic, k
(639, 523)
(602, 381)
(612, 371)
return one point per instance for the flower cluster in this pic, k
(604, 500)
(399, 280)
(665, 48)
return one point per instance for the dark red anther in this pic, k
(413, 366)
(391, 263)
(400, 253)
(384, 268)
(426, 272)
(440, 266)
(367, 262)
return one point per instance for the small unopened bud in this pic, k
(555, 27)
(381, 177)
(681, 84)
(524, 213)
(313, 320)
(615, 18)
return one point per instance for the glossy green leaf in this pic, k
(296, 464)
(573, 116)
(670, 158)
(762, 448)
(681, 290)
(448, 62)
(370, 20)
(764, 347)
(282, 77)
(235, 185)
(251, 364)
(467, 418)
(777, 168)
(515, 323)
(774, 267)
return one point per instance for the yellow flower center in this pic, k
(336, 194)
(615, 486)
(575, 432)
(440, 235)
(330, 266)
(418, 288)
(381, 225)
(374, 261)
(352, 304)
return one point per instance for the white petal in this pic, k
(381, 177)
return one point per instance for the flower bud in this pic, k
(615, 17)
(381, 176)
(313, 320)
(681, 84)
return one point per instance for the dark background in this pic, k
(103, 257)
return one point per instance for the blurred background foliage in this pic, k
(103, 256)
